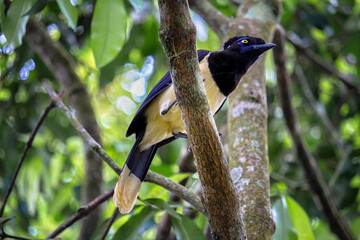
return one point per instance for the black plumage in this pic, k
(158, 122)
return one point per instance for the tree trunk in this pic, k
(177, 33)
(247, 125)
(247, 113)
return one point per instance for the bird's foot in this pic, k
(180, 135)
(166, 110)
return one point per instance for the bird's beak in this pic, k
(263, 47)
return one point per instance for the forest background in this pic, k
(105, 55)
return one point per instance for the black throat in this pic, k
(227, 68)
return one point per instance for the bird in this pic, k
(157, 122)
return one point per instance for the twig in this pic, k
(213, 17)
(336, 220)
(27, 148)
(82, 212)
(292, 184)
(63, 67)
(109, 223)
(348, 80)
(186, 165)
(326, 122)
(81, 130)
(316, 106)
(5, 235)
(5, 74)
(180, 191)
(153, 177)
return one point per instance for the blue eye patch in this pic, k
(239, 41)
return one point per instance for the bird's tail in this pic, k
(133, 174)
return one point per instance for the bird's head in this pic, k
(248, 47)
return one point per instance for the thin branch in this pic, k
(63, 66)
(328, 68)
(214, 18)
(27, 148)
(82, 212)
(289, 182)
(180, 191)
(336, 220)
(326, 122)
(5, 235)
(186, 165)
(300, 76)
(153, 177)
(5, 74)
(109, 223)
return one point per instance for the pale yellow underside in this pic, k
(160, 127)
(126, 191)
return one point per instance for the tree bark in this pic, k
(61, 64)
(247, 115)
(177, 33)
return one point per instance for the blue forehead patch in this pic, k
(241, 39)
(238, 41)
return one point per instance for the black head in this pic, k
(247, 45)
(228, 66)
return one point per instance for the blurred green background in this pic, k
(48, 188)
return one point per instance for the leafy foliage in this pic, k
(115, 52)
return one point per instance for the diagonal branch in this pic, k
(27, 148)
(336, 137)
(312, 172)
(300, 76)
(109, 223)
(211, 15)
(186, 165)
(181, 191)
(82, 212)
(348, 80)
(62, 65)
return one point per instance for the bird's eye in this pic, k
(244, 41)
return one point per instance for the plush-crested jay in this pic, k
(158, 121)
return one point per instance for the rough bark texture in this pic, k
(247, 114)
(247, 124)
(177, 34)
(322, 194)
(249, 163)
(62, 66)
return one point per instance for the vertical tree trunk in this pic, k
(247, 124)
(177, 33)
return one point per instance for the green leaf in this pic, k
(322, 231)
(281, 216)
(186, 229)
(14, 24)
(37, 7)
(108, 30)
(133, 225)
(299, 219)
(70, 12)
(161, 204)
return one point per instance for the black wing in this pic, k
(139, 122)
